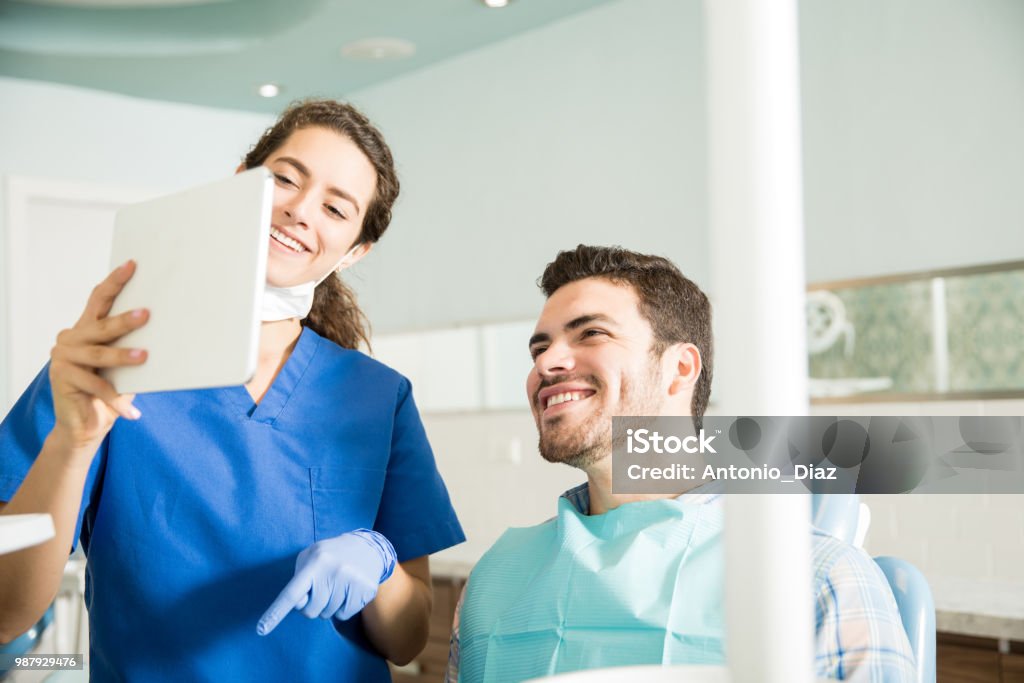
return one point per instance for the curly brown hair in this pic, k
(336, 314)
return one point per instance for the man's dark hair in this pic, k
(676, 308)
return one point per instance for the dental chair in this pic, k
(837, 514)
(917, 611)
(846, 518)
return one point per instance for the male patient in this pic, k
(617, 579)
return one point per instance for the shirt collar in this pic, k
(579, 496)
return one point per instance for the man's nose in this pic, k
(557, 359)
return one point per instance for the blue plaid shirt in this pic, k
(859, 634)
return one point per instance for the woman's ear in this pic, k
(355, 255)
(685, 367)
(241, 167)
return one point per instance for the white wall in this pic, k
(593, 129)
(72, 134)
(588, 130)
(78, 134)
(914, 148)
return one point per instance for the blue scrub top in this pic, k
(192, 516)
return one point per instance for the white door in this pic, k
(57, 249)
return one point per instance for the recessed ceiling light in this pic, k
(269, 90)
(379, 49)
(495, 4)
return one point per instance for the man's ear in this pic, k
(684, 365)
(356, 255)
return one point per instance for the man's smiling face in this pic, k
(592, 353)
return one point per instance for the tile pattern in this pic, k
(986, 331)
(893, 334)
(892, 337)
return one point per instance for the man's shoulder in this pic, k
(517, 546)
(516, 537)
(860, 633)
(834, 559)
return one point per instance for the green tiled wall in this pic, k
(893, 329)
(986, 331)
(892, 325)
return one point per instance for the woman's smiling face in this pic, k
(323, 185)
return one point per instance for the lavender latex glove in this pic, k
(335, 577)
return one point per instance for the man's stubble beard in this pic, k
(582, 447)
(591, 441)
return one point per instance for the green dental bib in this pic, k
(640, 584)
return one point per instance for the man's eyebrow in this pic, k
(587, 319)
(573, 324)
(301, 168)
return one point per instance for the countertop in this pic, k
(23, 531)
(988, 609)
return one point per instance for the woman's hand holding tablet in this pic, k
(85, 404)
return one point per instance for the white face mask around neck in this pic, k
(282, 303)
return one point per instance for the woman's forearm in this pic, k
(30, 578)
(398, 619)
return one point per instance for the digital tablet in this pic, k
(201, 260)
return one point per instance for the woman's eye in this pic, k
(283, 179)
(334, 212)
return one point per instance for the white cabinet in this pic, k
(443, 366)
(506, 363)
(479, 367)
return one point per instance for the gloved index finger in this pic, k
(293, 595)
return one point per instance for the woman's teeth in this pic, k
(287, 241)
(562, 398)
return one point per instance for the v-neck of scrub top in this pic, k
(276, 397)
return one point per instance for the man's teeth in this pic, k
(286, 240)
(562, 398)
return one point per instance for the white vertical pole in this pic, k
(759, 294)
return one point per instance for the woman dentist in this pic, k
(209, 516)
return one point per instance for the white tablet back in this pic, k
(201, 269)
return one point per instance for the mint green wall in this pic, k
(594, 129)
(913, 136)
(588, 130)
(69, 133)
